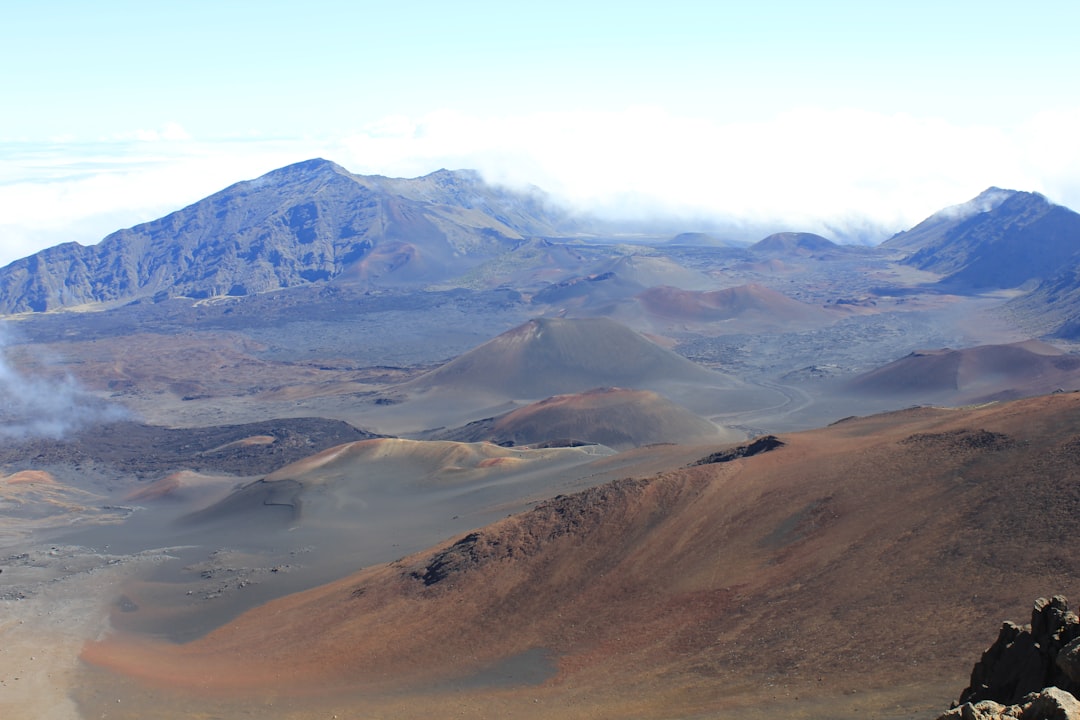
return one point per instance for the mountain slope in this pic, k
(1000, 239)
(931, 230)
(302, 223)
(974, 374)
(341, 484)
(1052, 308)
(804, 574)
(752, 303)
(614, 417)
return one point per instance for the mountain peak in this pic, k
(989, 199)
(992, 197)
(941, 221)
(444, 175)
(314, 163)
(307, 168)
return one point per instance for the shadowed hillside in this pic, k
(1052, 308)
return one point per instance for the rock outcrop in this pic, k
(765, 443)
(1031, 672)
(1050, 704)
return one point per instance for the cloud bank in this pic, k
(850, 174)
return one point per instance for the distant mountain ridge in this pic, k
(1000, 239)
(306, 222)
(314, 221)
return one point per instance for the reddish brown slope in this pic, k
(746, 302)
(974, 374)
(552, 356)
(871, 554)
(616, 417)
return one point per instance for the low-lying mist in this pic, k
(33, 406)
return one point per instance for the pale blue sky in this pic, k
(825, 112)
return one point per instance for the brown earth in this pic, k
(753, 304)
(184, 485)
(202, 377)
(868, 558)
(976, 374)
(32, 499)
(616, 417)
(552, 356)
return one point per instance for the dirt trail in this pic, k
(52, 600)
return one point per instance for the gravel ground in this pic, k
(52, 600)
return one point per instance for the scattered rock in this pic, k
(1053, 704)
(1050, 704)
(526, 535)
(962, 441)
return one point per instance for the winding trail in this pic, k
(795, 400)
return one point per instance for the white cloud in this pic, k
(806, 169)
(169, 132)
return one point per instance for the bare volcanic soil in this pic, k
(749, 303)
(616, 417)
(552, 356)
(851, 571)
(985, 372)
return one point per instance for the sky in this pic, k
(853, 119)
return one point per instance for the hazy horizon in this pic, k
(851, 121)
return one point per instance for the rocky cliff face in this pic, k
(1031, 672)
(303, 223)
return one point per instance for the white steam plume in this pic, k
(35, 406)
